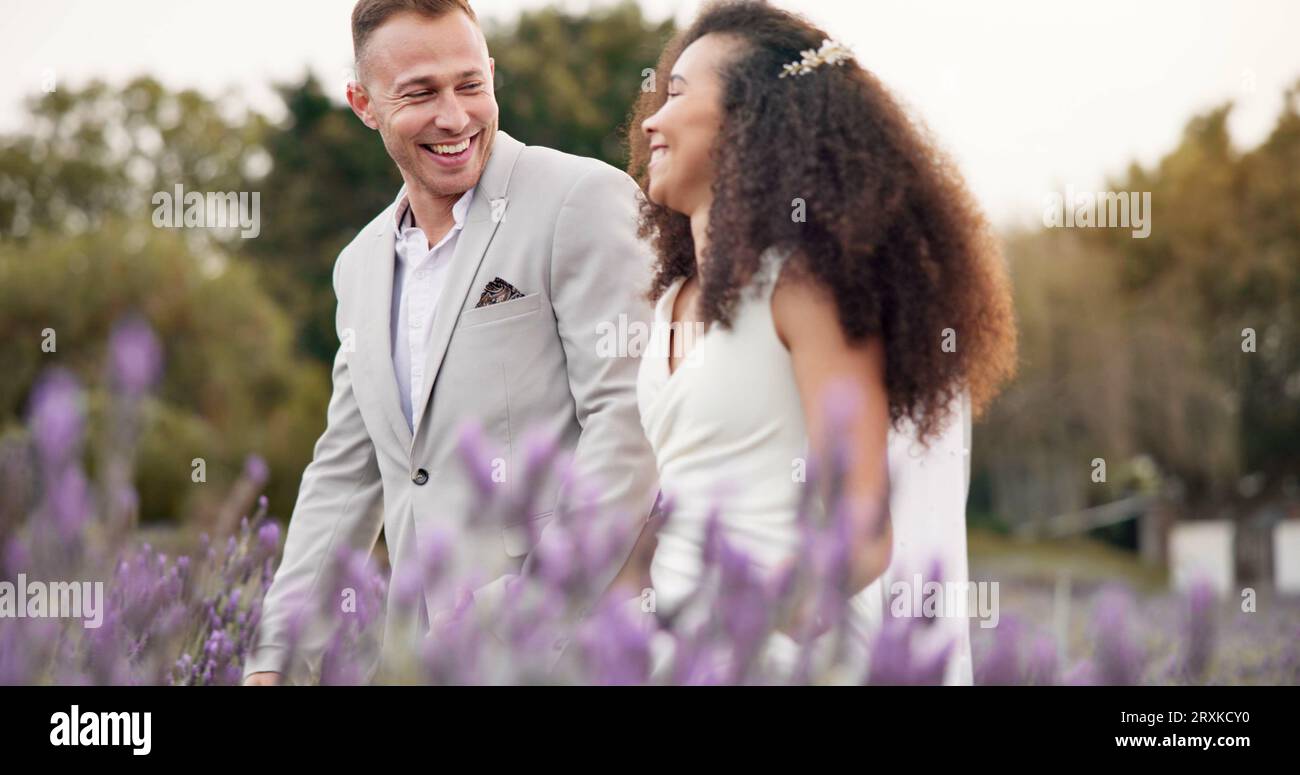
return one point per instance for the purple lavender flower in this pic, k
(256, 470)
(1002, 665)
(474, 454)
(135, 356)
(616, 646)
(895, 661)
(1199, 629)
(1083, 673)
(1041, 668)
(556, 558)
(268, 538)
(1119, 659)
(70, 504)
(57, 417)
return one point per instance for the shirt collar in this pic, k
(402, 214)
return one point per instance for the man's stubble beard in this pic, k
(411, 167)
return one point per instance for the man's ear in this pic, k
(359, 101)
(492, 69)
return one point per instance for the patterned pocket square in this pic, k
(496, 292)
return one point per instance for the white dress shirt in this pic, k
(417, 284)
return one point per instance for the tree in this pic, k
(232, 385)
(1143, 347)
(79, 251)
(330, 177)
(569, 81)
(98, 151)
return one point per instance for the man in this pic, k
(478, 295)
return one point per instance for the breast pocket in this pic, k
(504, 310)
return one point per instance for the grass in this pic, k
(1088, 562)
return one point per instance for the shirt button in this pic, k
(420, 477)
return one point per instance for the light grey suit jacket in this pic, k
(562, 230)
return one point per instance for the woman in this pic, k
(837, 267)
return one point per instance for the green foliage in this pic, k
(330, 178)
(232, 385)
(569, 81)
(1134, 346)
(98, 151)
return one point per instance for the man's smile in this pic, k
(452, 153)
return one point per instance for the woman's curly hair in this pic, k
(889, 226)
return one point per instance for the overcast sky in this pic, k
(1029, 96)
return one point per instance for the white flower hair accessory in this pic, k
(831, 53)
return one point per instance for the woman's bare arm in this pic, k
(836, 375)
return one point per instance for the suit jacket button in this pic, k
(420, 477)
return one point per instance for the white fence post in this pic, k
(1286, 556)
(1202, 549)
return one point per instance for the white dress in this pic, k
(728, 433)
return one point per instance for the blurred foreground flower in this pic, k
(190, 620)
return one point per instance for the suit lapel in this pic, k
(485, 213)
(374, 335)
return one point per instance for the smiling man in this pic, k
(479, 295)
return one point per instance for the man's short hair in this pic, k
(369, 15)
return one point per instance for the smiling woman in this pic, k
(832, 251)
(875, 213)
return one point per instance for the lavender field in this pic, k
(181, 608)
(1088, 613)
